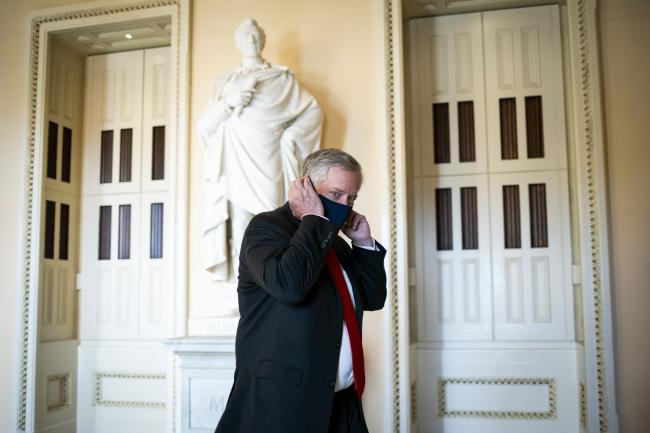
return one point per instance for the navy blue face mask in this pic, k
(335, 212)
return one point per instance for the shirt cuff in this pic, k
(369, 247)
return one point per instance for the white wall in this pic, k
(335, 48)
(625, 38)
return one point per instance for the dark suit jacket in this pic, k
(289, 333)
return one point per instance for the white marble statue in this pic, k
(258, 128)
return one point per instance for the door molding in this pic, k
(40, 24)
(586, 143)
(398, 396)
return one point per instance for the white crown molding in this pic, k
(429, 8)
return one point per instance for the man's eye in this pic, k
(336, 194)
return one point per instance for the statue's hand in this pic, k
(303, 199)
(238, 92)
(236, 97)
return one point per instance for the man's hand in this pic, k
(303, 200)
(356, 227)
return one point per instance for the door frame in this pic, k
(40, 24)
(586, 145)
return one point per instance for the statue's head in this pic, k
(250, 38)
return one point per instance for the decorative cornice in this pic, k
(551, 413)
(100, 11)
(29, 226)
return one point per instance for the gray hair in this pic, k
(245, 27)
(318, 163)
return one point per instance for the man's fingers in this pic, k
(299, 186)
(309, 185)
(306, 185)
(357, 222)
(303, 199)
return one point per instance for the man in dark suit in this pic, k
(302, 292)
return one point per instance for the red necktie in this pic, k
(350, 318)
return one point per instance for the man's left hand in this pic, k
(356, 227)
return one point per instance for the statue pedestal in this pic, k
(213, 326)
(204, 375)
(224, 317)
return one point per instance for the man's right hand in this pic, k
(303, 199)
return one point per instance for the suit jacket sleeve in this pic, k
(286, 264)
(372, 276)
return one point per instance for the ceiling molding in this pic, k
(124, 36)
(429, 8)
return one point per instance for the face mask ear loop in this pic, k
(312, 184)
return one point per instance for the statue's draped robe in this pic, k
(255, 152)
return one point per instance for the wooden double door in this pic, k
(105, 290)
(495, 343)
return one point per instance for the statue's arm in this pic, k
(211, 119)
(302, 135)
(217, 112)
